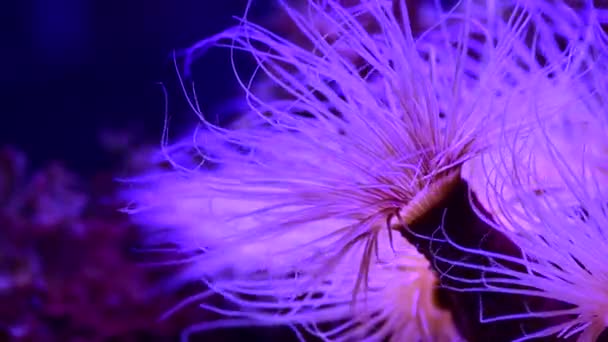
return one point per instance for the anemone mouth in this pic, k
(428, 198)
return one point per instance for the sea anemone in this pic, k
(291, 215)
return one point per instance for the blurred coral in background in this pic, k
(67, 266)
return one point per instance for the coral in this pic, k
(67, 266)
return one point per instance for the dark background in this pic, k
(73, 68)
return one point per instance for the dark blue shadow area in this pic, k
(74, 67)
